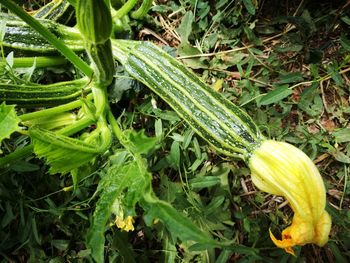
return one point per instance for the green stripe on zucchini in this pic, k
(216, 119)
(60, 11)
(30, 96)
(22, 39)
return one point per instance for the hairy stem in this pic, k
(53, 111)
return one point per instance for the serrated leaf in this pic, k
(141, 143)
(8, 121)
(275, 95)
(125, 179)
(63, 153)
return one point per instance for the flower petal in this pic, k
(282, 169)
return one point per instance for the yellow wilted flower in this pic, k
(125, 224)
(282, 169)
(122, 222)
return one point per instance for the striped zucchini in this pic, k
(60, 11)
(277, 168)
(30, 96)
(22, 39)
(224, 125)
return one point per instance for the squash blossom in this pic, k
(122, 222)
(282, 169)
(125, 224)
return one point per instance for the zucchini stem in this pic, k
(53, 111)
(143, 9)
(125, 9)
(40, 62)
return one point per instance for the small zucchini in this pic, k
(31, 96)
(23, 40)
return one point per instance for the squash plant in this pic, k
(276, 167)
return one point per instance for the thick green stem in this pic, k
(40, 62)
(100, 101)
(76, 127)
(143, 10)
(118, 132)
(53, 111)
(125, 9)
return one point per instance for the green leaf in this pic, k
(339, 256)
(288, 47)
(158, 128)
(275, 95)
(185, 28)
(205, 181)
(185, 49)
(345, 43)
(141, 143)
(342, 135)
(341, 157)
(290, 78)
(63, 153)
(249, 6)
(310, 102)
(124, 248)
(179, 225)
(174, 156)
(8, 121)
(333, 70)
(123, 185)
(345, 19)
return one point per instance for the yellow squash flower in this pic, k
(122, 222)
(281, 169)
(125, 224)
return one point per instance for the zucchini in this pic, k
(23, 40)
(277, 168)
(60, 11)
(31, 96)
(224, 125)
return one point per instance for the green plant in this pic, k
(125, 185)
